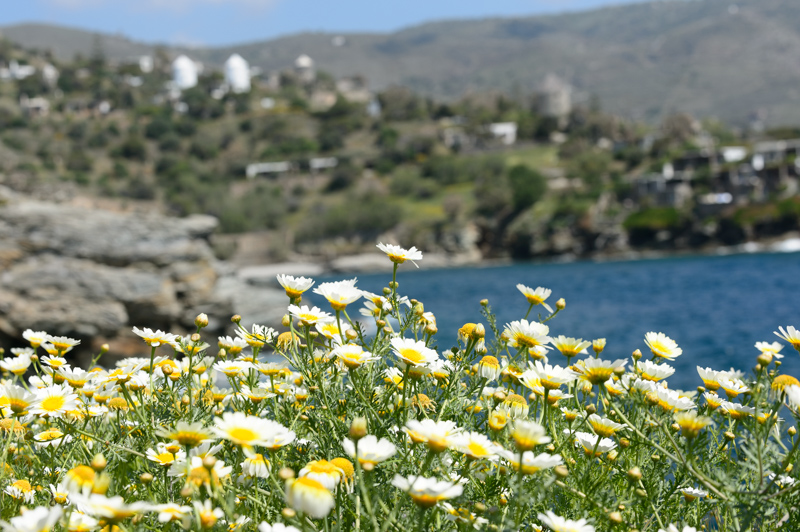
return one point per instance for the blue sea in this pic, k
(715, 307)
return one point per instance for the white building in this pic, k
(555, 97)
(184, 72)
(506, 132)
(237, 74)
(146, 64)
(304, 67)
(50, 74)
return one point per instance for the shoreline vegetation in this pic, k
(512, 429)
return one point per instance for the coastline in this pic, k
(375, 262)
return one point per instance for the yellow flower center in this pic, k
(412, 356)
(242, 435)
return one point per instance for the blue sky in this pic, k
(215, 22)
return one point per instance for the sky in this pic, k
(219, 22)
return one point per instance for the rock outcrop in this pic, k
(94, 274)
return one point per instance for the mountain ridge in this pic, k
(642, 61)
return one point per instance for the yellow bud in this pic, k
(286, 473)
(561, 304)
(288, 513)
(209, 462)
(351, 334)
(764, 359)
(615, 517)
(201, 320)
(104, 349)
(358, 428)
(636, 355)
(146, 478)
(561, 471)
(99, 462)
(484, 302)
(792, 431)
(195, 337)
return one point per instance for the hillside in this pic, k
(643, 60)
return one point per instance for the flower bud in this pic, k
(209, 462)
(387, 290)
(201, 320)
(104, 349)
(598, 345)
(185, 400)
(624, 443)
(367, 466)
(146, 478)
(351, 334)
(655, 458)
(388, 330)
(641, 493)
(561, 471)
(99, 462)
(730, 436)
(561, 304)
(636, 355)
(286, 473)
(615, 517)
(431, 329)
(792, 431)
(195, 338)
(286, 320)
(479, 331)
(591, 409)
(634, 474)
(764, 359)
(236, 319)
(484, 302)
(186, 492)
(288, 513)
(381, 323)
(358, 428)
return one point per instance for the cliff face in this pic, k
(94, 274)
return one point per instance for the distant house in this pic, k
(34, 106)
(506, 132)
(146, 64)
(50, 74)
(304, 68)
(354, 89)
(237, 74)
(321, 100)
(555, 97)
(278, 167)
(184, 72)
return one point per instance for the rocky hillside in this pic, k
(705, 57)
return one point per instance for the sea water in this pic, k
(715, 307)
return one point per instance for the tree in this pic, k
(527, 186)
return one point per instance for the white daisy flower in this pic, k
(399, 255)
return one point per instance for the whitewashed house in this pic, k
(184, 72)
(505, 132)
(304, 68)
(237, 74)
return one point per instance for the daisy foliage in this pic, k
(342, 420)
